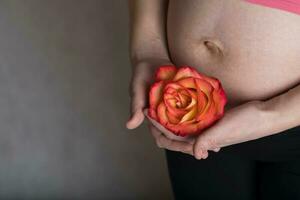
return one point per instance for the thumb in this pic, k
(138, 102)
(136, 119)
(201, 146)
(216, 149)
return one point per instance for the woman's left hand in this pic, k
(239, 124)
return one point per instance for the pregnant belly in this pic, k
(252, 50)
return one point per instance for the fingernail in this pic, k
(129, 124)
(198, 155)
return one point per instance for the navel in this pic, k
(215, 47)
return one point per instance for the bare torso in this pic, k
(253, 50)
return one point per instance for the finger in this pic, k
(204, 154)
(216, 149)
(154, 131)
(136, 119)
(168, 133)
(164, 142)
(203, 143)
(201, 154)
(138, 102)
(175, 145)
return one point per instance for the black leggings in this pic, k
(267, 168)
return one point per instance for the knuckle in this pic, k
(156, 133)
(160, 139)
(199, 152)
(139, 102)
(186, 149)
(137, 107)
(199, 146)
(168, 142)
(158, 144)
(197, 155)
(209, 144)
(164, 142)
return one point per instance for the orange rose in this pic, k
(185, 101)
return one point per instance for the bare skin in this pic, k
(253, 50)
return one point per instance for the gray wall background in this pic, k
(64, 74)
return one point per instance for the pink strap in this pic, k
(287, 5)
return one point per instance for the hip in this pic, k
(283, 146)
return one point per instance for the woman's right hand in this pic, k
(141, 80)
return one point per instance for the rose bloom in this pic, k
(185, 101)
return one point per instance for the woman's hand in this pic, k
(142, 78)
(239, 124)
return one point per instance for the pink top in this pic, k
(287, 5)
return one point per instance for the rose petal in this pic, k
(152, 113)
(220, 100)
(188, 129)
(193, 103)
(190, 115)
(211, 112)
(194, 100)
(205, 111)
(172, 118)
(176, 91)
(214, 82)
(177, 112)
(203, 85)
(206, 88)
(155, 97)
(202, 102)
(172, 86)
(169, 93)
(185, 72)
(187, 83)
(165, 72)
(184, 98)
(162, 114)
(171, 101)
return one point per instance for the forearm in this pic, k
(147, 29)
(282, 112)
